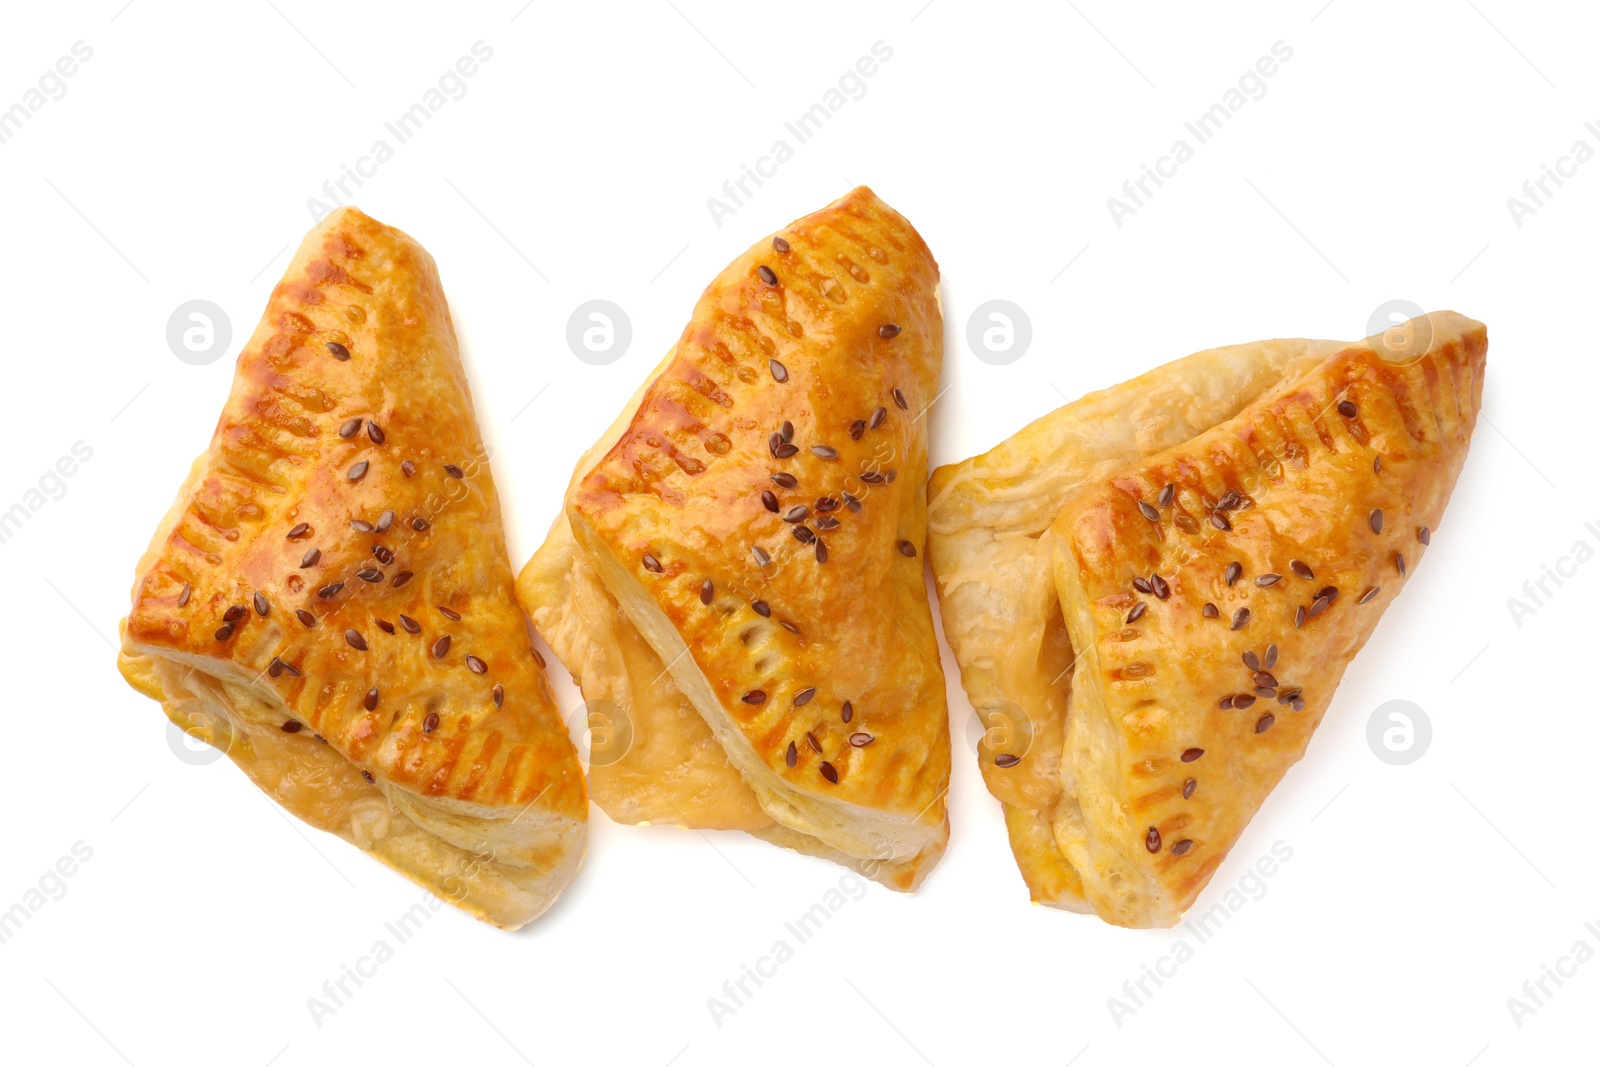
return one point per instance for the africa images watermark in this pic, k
(1537, 992)
(1537, 590)
(1203, 128)
(802, 128)
(1538, 190)
(51, 85)
(451, 85)
(52, 485)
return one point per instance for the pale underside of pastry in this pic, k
(1153, 592)
(329, 599)
(736, 581)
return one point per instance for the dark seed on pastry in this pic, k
(851, 502)
(1270, 660)
(291, 727)
(233, 614)
(375, 432)
(827, 522)
(760, 608)
(780, 373)
(860, 740)
(307, 619)
(651, 564)
(291, 669)
(299, 529)
(1329, 593)
(183, 596)
(879, 414)
(907, 548)
(384, 554)
(538, 658)
(792, 756)
(1182, 846)
(767, 275)
(441, 646)
(1231, 501)
(261, 605)
(1006, 759)
(858, 428)
(370, 573)
(368, 776)
(1167, 493)
(755, 696)
(401, 579)
(275, 668)
(1289, 694)
(779, 244)
(847, 712)
(350, 427)
(828, 772)
(370, 701)
(769, 500)
(385, 521)
(1347, 409)
(1243, 700)
(431, 723)
(786, 431)
(410, 625)
(453, 471)
(1400, 564)
(1152, 840)
(1375, 520)
(1240, 618)
(1318, 606)
(1143, 585)
(1209, 611)
(385, 625)
(357, 471)
(1264, 580)
(822, 551)
(1266, 680)
(357, 642)
(408, 468)
(812, 741)
(1220, 521)
(1231, 575)
(1371, 592)
(803, 697)
(707, 591)
(453, 616)
(1265, 693)
(785, 480)
(1264, 723)
(899, 398)
(328, 592)
(1301, 569)
(499, 694)
(1423, 535)
(1159, 586)
(1298, 704)
(785, 450)
(1251, 661)
(796, 513)
(824, 452)
(340, 352)
(1299, 616)
(787, 625)
(804, 535)
(1149, 512)
(1192, 754)
(872, 477)
(419, 524)
(762, 559)
(825, 504)
(360, 526)
(1377, 464)
(1226, 702)
(1188, 788)
(888, 331)
(888, 477)
(476, 665)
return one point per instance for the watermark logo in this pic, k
(1399, 732)
(198, 332)
(1402, 330)
(1000, 733)
(999, 332)
(599, 332)
(604, 732)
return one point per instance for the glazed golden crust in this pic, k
(1171, 738)
(345, 501)
(676, 501)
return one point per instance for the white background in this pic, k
(1377, 166)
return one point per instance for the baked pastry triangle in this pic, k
(329, 598)
(1153, 592)
(737, 580)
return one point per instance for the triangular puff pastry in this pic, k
(737, 580)
(330, 602)
(1153, 592)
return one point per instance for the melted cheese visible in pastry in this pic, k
(1093, 690)
(329, 599)
(671, 498)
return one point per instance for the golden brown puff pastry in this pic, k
(737, 580)
(1154, 592)
(329, 599)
